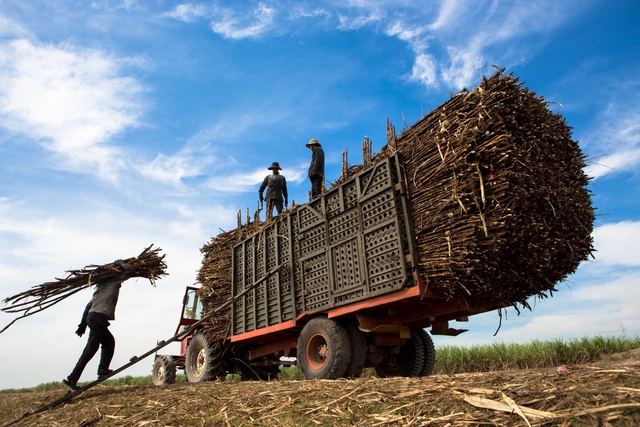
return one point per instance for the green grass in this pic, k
(536, 354)
(453, 359)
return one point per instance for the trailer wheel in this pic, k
(358, 351)
(164, 370)
(201, 363)
(404, 361)
(429, 353)
(324, 351)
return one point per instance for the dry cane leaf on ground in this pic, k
(149, 264)
(580, 397)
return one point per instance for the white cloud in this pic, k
(425, 69)
(349, 22)
(593, 307)
(470, 35)
(9, 28)
(449, 15)
(189, 12)
(240, 24)
(190, 161)
(303, 11)
(245, 182)
(71, 101)
(463, 66)
(605, 305)
(617, 244)
(615, 144)
(617, 162)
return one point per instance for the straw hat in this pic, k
(313, 142)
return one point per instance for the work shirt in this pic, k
(106, 294)
(276, 186)
(105, 299)
(316, 168)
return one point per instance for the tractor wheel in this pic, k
(164, 370)
(358, 351)
(404, 361)
(324, 351)
(201, 362)
(429, 352)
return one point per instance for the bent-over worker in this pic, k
(97, 314)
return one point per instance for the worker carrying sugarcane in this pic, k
(97, 314)
(316, 168)
(276, 186)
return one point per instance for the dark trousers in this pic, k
(99, 335)
(271, 203)
(316, 185)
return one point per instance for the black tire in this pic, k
(201, 362)
(408, 361)
(358, 343)
(164, 370)
(429, 352)
(323, 349)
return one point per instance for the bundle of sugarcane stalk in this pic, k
(497, 197)
(149, 264)
(497, 194)
(215, 278)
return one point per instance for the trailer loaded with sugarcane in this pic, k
(481, 205)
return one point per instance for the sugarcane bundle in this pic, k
(215, 277)
(497, 194)
(149, 264)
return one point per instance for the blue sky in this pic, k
(125, 123)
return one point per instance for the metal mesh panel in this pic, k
(350, 192)
(352, 243)
(297, 269)
(343, 227)
(384, 259)
(346, 265)
(238, 272)
(316, 282)
(313, 240)
(333, 205)
(380, 178)
(378, 209)
(308, 215)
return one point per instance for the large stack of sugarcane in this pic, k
(497, 195)
(215, 278)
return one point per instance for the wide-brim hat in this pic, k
(274, 165)
(313, 142)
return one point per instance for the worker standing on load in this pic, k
(316, 168)
(276, 186)
(97, 314)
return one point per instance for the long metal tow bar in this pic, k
(161, 344)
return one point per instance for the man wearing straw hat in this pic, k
(316, 168)
(276, 186)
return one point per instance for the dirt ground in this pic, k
(606, 393)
